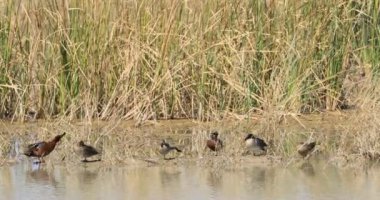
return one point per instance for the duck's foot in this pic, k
(37, 162)
(260, 153)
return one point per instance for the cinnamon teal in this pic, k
(87, 151)
(255, 145)
(214, 143)
(42, 149)
(305, 148)
(165, 148)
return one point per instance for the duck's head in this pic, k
(81, 143)
(163, 142)
(214, 135)
(249, 136)
(58, 137)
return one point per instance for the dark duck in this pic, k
(165, 148)
(306, 148)
(255, 144)
(87, 151)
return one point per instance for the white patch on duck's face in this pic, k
(252, 146)
(165, 149)
(249, 143)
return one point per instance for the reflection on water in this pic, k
(93, 181)
(38, 174)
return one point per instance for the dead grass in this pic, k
(147, 60)
(344, 139)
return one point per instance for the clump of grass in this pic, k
(174, 59)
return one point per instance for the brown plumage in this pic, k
(86, 151)
(214, 143)
(305, 148)
(42, 149)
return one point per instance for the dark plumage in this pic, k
(214, 143)
(42, 149)
(165, 148)
(305, 148)
(86, 151)
(255, 144)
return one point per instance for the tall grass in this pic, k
(174, 59)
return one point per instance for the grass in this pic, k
(340, 140)
(174, 59)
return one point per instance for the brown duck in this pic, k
(214, 143)
(42, 149)
(87, 151)
(305, 148)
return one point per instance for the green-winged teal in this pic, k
(305, 148)
(165, 148)
(87, 151)
(42, 149)
(255, 144)
(214, 143)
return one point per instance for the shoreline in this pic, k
(122, 140)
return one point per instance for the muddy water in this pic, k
(92, 181)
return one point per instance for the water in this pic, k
(94, 181)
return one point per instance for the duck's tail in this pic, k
(29, 153)
(178, 150)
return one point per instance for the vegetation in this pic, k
(164, 59)
(350, 139)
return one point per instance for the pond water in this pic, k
(94, 181)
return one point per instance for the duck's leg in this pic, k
(38, 161)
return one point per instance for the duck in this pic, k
(214, 143)
(306, 148)
(87, 151)
(255, 144)
(165, 148)
(42, 149)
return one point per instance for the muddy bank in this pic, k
(122, 142)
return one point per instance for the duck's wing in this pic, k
(311, 146)
(165, 145)
(32, 148)
(36, 145)
(90, 151)
(261, 143)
